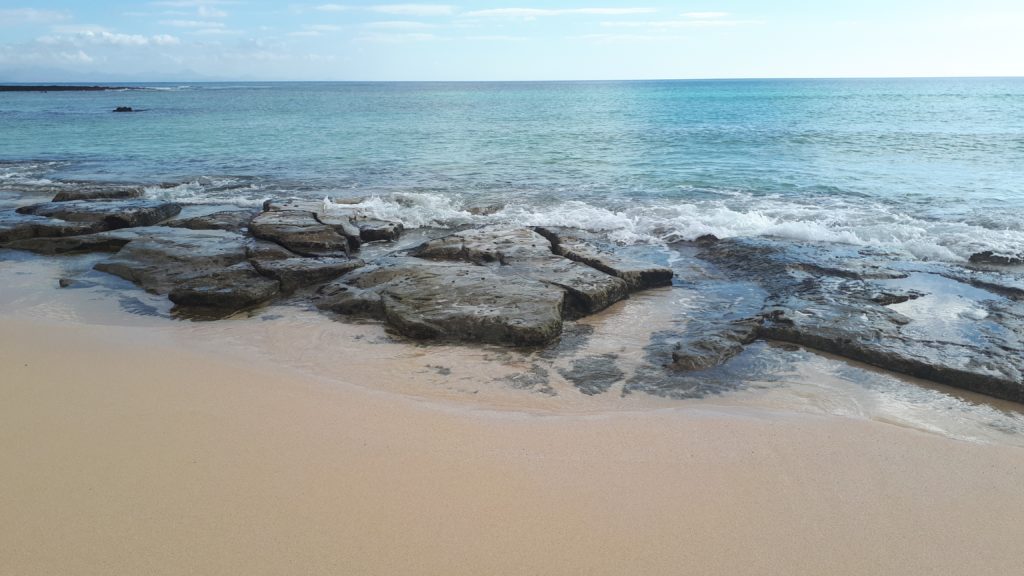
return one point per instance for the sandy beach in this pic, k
(127, 451)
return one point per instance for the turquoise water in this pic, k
(932, 167)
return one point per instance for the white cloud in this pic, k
(414, 9)
(674, 24)
(398, 25)
(626, 38)
(207, 24)
(209, 12)
(332, 8)
(93, 35)
(705, 15)
(383, 38)
(78, 57)
(324, 27)
(538, 12)
(20, 16)
(192, 3)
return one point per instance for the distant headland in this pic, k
(60, 88)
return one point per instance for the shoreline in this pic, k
(184, 459)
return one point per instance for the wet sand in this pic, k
(128, 450)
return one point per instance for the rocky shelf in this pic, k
(960, 325)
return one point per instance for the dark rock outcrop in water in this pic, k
(300, 232)
(961, 325)
(108, 193)
(843, 305)
(230, 220)
(496, 285)
(106, 215)
(990, 257)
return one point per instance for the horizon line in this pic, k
(581, 80)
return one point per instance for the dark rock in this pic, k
(485, 210)
(824, 299)
(706, 239)
(343, 225)
(990, 257)
(637, 275)
(487, 245)
(101, 242)
(230, 220)
(106, 215)
(123, 109)
(65, 282)
(594, 374)
(93, 193)
(15, 226)
(450, 301)
(265, 250)
(228, 290)
(705, 346)
(371, 230)
(525, 253)
(295, 273)
(300, 232)
(160, 262)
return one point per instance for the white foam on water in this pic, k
(197, 192)
(862, 223)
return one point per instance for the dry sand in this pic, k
(126, 451)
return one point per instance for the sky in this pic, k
(182, 40)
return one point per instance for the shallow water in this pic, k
(930, 167)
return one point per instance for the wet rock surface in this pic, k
(234, 288)
(230, 220)
(637, 275)
(93, 193)
(427, 299)
(533, 288)
(925, 320)
(300, 232)
(106, 215)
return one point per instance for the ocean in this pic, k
(931, 168)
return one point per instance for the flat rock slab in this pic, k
(230, 220)
(935, 324)
(295, 273)
(343, 225)
(373, 230)
(106, 193)
(300, 232)
(107, 215)
(160, 262)
(15, 226)
(525, 253)
(225, 291)
(487, 245)
(452, 301)
(637, 275)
